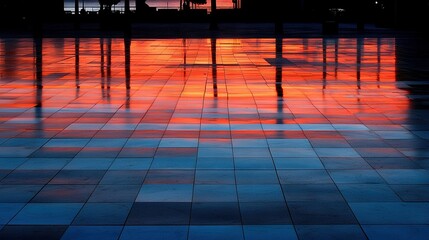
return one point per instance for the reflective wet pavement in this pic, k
(252, 138)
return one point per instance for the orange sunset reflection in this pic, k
(328, 79)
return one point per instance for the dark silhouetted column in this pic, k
(359, 49)
(325, 63)
(77, 61)
(127, 6)
(38, 55)
(127, 46)
(38, 51)
(279, 79)
(213, 16)
(214, 66)
(279, 10)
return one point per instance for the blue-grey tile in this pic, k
(173, 163)
(92, 232)
(308, 232)
(405, 176)
(8, 211)
(31, 232)
(368, 193)
(165, 193)
(412, 193)
(154, 233)
(89, 164)
(18, 193)
(391, 213)
(103, 214)
(178, 142)
(321, 213)
(398, 232)
(215, 163)
(345, 163)
(252, 152)
(336, 152)
(253, 163)
(272, 232)
(160, 213)
(215, 193)
(298, 163)
(304, 177)
(47, 214)
(44, 164)
(312, 192)
(214, 152)
(215, 232)
(355, 176)
(115, 194)
(214, 177)
(260, 193)
(263, 213)
(256, 177)
(128, 177)
(131, 164)
(215, 213)
(53, 193)
(293, 152)
(11, 163)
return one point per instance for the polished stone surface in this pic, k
(218, 138)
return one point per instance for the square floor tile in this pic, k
(214, 177)
(92, 232)
(304, 177)
(263, 213)
(391, 213)
(321, 213)
(154, 233)
(220, 213)
(298, 163)
(260, 193)
(78, 177)
(64, 194)
(256, 177)
(47, 214)
(273, 232)
(170, 177)
(159, 213)
(131, 164)
(115, 194)
(8, 211)
(215, 163)
(215, 232)
(165, 193)
(32, 232)
(103, 214)
(412, 193)
(312, 192)
(400, 232)
(355, 176)
(368, 193)
(405, 176)
(215, 193)
(253, 163)
(18, 193)
(129, 177)
(330, 232)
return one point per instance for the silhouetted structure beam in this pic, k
(213, 17)
(127, 6)
(76, 7)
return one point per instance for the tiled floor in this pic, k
(213, 139)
